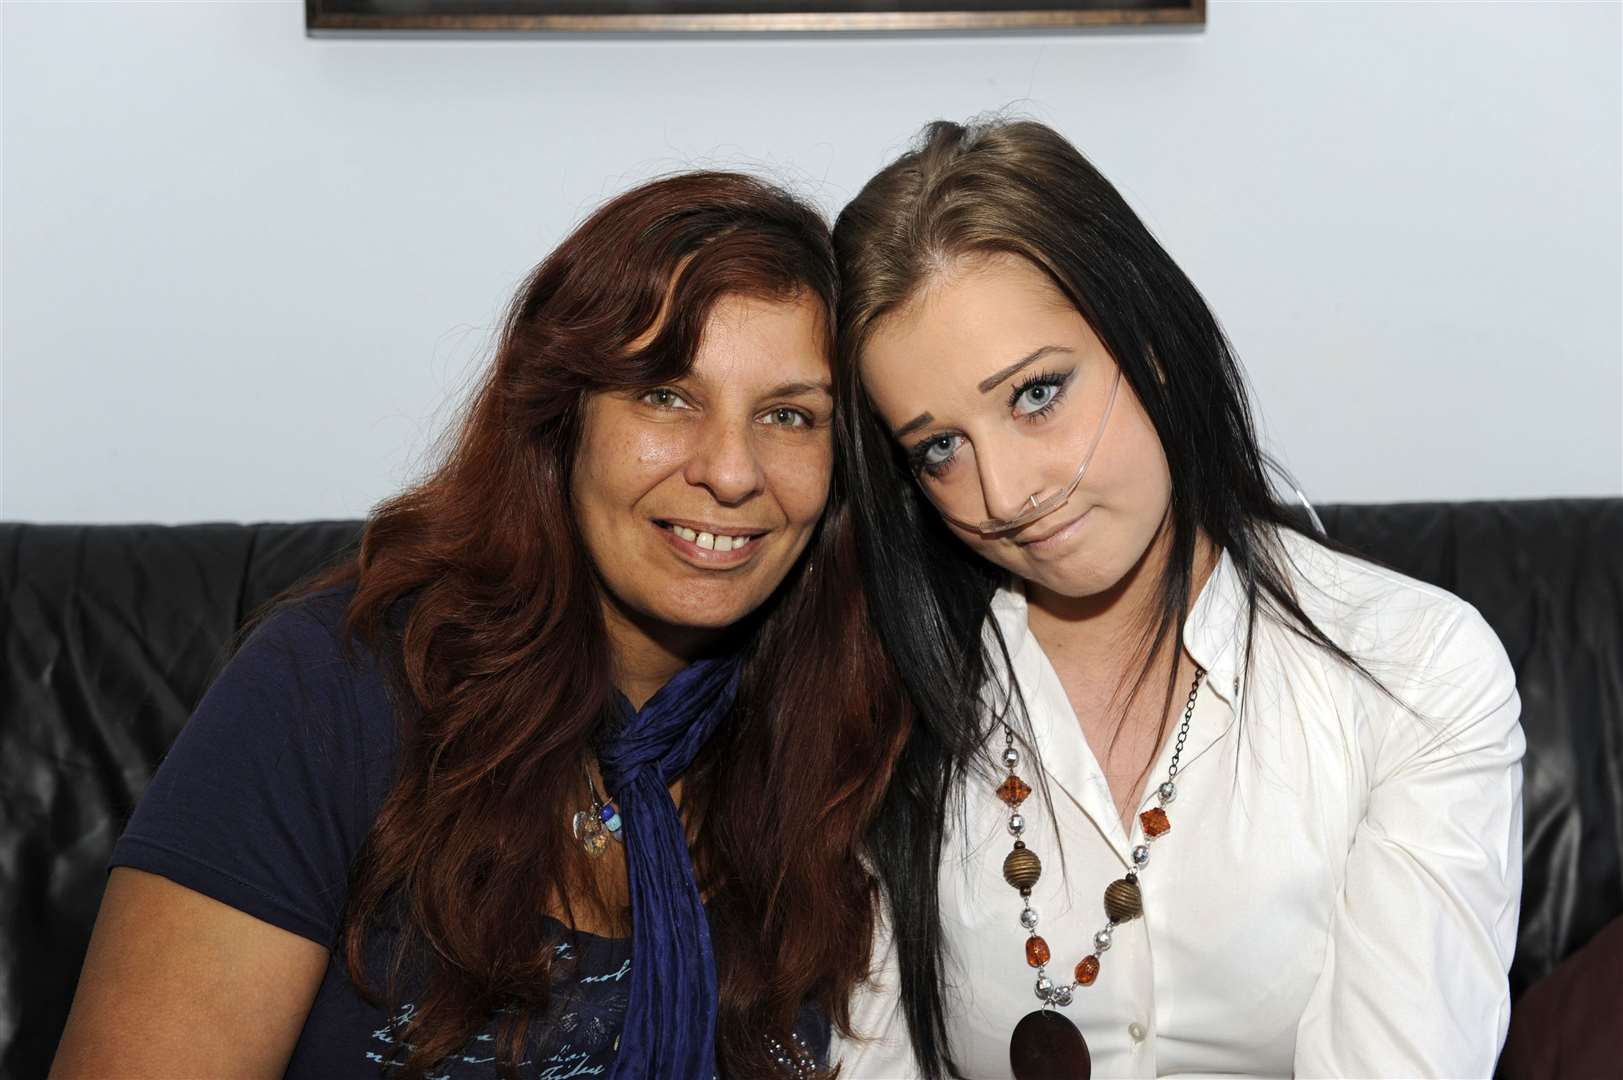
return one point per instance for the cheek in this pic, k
(799, 478)
(1130, 467)
(620, 465)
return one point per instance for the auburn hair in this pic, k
(476, 585)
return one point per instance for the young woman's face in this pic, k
(696, 498)
(995, 388)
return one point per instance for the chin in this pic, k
(1077, 582)
(706, 609)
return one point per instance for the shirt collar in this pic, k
(1214, 632)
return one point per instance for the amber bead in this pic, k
(1014, 790)
(1036, 951)
(1155, 822)
(1087, 970)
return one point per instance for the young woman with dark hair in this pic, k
(564, 774)
(1189, 791)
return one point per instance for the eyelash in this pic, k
(1058, 381)
(810, 421)
(647, 397)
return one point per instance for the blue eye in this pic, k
(1033, 399)
(934, 454)
(1037, 394)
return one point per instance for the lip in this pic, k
(715, 527)
(1051, 540)
(709, 558)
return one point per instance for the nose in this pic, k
(724, 461)
(1006, 486)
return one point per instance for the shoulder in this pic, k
(306, 628)
(275, 781)
(1433, 651)
(1371, 610)
(301, 648)
(299, 690)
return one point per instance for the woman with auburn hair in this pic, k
(564, 774)
(1190, 791)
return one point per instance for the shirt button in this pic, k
(1135, 1031)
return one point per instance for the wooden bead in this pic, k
(1022, 868)
(1123, 901)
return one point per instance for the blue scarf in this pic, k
(670, 1024)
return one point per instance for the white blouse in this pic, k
(1339, 891)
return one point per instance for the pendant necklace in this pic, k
(1045, 1044)
(597, 823)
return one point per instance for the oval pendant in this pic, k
(1047, 1046)
(593, 837)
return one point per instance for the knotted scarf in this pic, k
(670, 1024)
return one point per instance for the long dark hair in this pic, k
(504, 666)
(1020, 188)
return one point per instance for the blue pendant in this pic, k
(611, 820)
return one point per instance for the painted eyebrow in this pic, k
(987, 384)
(991, 381)
(912, 425)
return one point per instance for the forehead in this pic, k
(972, 318)
(757, 339)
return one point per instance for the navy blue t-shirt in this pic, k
(265, 799)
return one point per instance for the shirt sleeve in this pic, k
(267, 794)
(880, 1048)
(1414, 979)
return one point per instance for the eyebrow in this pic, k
(912, 425)
(1032, 357)
(986, 384)
(794, 389)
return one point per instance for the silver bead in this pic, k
(1167, 792)
(1141, 855)
(1028, 919)
(1011, 757)
(1017, 824)
(1045, 987)
(1101, 940)
(1061, 997)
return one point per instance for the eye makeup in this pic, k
(1038, 393)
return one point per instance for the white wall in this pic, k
(245, 270)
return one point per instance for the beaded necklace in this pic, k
(1045, 1044)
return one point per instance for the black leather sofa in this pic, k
(112, 633)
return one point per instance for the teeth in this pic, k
(711, 541)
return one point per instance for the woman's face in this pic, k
(995, 387)
(695, 499)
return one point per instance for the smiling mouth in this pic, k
(713, 538)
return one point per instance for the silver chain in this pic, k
(1061, 995)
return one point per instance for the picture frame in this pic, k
(735, 16)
